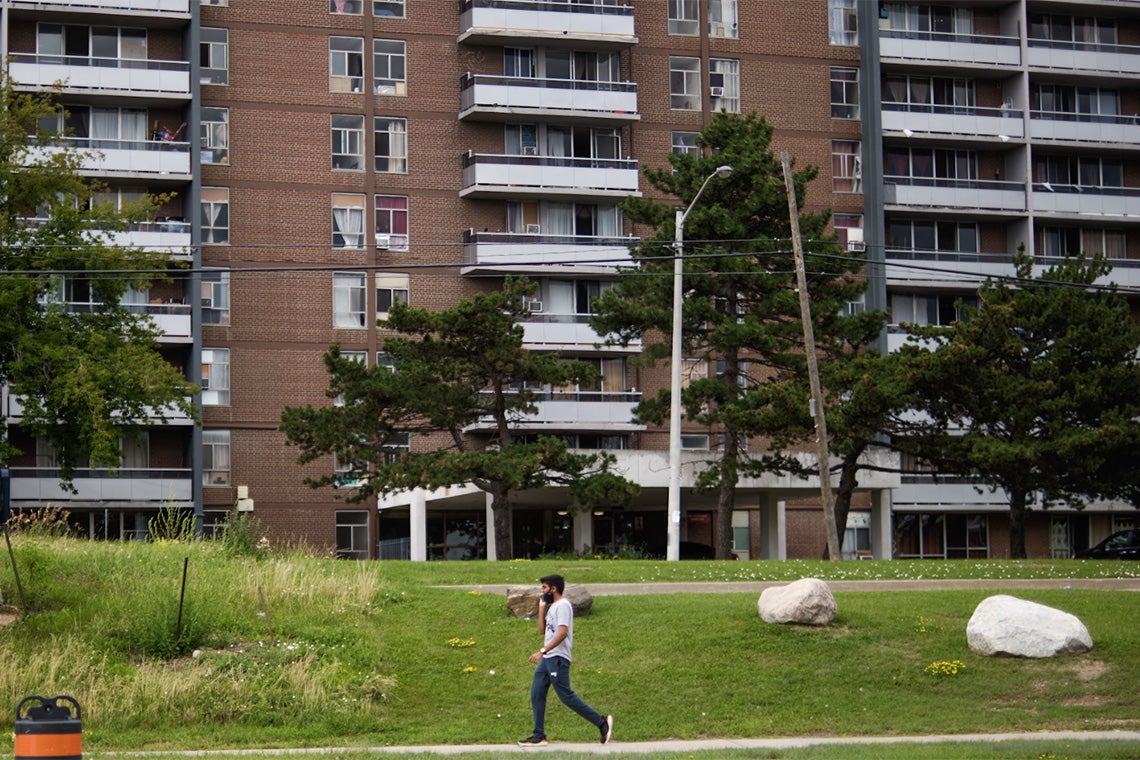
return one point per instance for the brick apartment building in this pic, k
(342, 155)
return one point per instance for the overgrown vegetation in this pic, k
(361, 654)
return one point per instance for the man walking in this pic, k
(556, 624)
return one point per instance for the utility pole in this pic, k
(813, 368)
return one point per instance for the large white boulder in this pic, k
(1005, 626)
(807, 601)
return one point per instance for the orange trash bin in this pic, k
(49, 730)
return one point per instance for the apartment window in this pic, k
(848, 229)
(389, 67)
(724, 84)
(360, 357)
(388, 8)
(1073, 241)
(1084, 172)
(347, 142)
(925, 94)
(390, 289)
(518, 62)
(215, 215)
(521, 140)
(929, 21)
(842, 24)
(346, 64)
(347, 220)
(352, 535)
(683, 17)
(1082, 30)
(215, 297)
(390, 143)
(216, 2)
(392, 222)
(215, 457)
(214, 56)
(684, 83)
(685, 143)
(722, 18)
(844, 93)
(929, 309)
(350, 299)
(925, 235)
(846, 166)
(931, 163)
(214, 135)
(346, 7)
(215, 377)
(694, 442)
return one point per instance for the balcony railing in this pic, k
(1084, 56)
(970, 194)
(142, 158)
(938, 47)
(580, 410)
(1086, 199)
(597, 102)
(567, 331)
(130, 7)
(123, 76)
(126, 485)
(1068, 126)
(486, 175)
(605, 22)
(930, 119)
(512, 251)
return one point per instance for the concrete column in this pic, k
(417, 524)
(773, 528)
(882, 546)
(583, 530)
(492, 548)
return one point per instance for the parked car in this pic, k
(1124, 544)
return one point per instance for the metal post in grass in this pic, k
(265, 612)
(181, 601)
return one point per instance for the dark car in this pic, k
(1124, 544)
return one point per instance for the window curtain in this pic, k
(105, 127)
(608, 220)
(136, 451)
(560, 297)
(557, 142)
(349, 224)
(559, 219)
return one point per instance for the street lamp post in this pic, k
(673, 550)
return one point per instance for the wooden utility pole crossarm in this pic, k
(813, 367)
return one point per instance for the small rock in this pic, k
(807, 601)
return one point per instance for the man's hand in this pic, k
(534, 658)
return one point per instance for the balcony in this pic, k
(1084, 200)
(602, 23)
(568, 332)
(137, 159)
(1077, 57)
(952, 268)
(579, 410)
(1104, 130)
(497, 98)
(957, 50)
(127, 486)
(121, 77)
(510, 252)
(170, 237)
(132, 8)
(909, 119)
(12, 406)
(960, 195)
(499, 176)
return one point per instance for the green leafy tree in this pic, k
(459, 382)
(741, 311)
(1034, 391)
(85, 376)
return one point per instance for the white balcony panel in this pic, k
(980, 123)
(129, 7)
(175, 327)
(953, 49)
(569, 332)
(139, 159)
(986, 196)
(588, 414)
(540, 176)
(506, 252)
(1117, 59)
(498, 20)
(951, 496)
(1123, 130)
(1090, 202)
(131, 486)
(14, 411)
(487, 96)
(932, 268)
(141, 78)
(172, 243)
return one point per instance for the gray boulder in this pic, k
(807, 601)
(1005, 626)
(522, 601)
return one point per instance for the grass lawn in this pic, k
(369, 654)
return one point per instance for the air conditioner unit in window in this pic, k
(716, 92)
(383, 242)
(533, 229)
(535, 307)
(530, 150)
(855, 239)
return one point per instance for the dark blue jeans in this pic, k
(555, 671)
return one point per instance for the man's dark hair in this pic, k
(554, 581)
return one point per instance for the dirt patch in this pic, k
(7, 618)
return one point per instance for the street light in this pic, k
(673, 551)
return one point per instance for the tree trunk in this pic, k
(1017, 511)
(848, 482)
(726, 497)
(501, 511)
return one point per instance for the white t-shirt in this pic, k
(558, 614)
